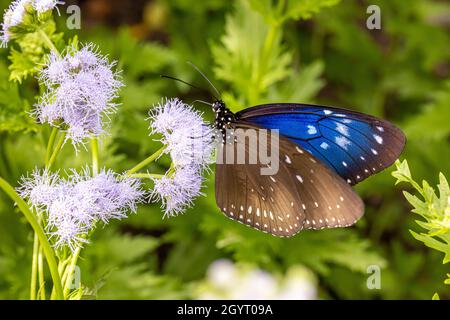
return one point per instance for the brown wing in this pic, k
(298, 196)
(268, 203)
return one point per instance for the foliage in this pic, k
(254, 52)
(434, 209)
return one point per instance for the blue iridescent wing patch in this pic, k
(353, 144)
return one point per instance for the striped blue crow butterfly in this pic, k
(323, 151)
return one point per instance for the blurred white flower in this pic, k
(256, 285)
(298, 286)
(222, 273)
(226, 280)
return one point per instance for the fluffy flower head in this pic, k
(187, 137)
(81, 86)
(178, 191)
(74, 205)
(16, 11)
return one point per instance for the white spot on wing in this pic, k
(324, 145)
(287, 159)
(378, 139)
(312, 129)
(342, 129)
(327, 111)
(343, 142)
(299, 178)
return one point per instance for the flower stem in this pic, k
(145, 175)
(146, 162)
(41, 274)
(46, 247)
(94, 147)
(57, 149)
(51, 142)
(68, 274)
(34, 266)
(48, 42)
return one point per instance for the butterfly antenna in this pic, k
(205, 77)
(182, 81)
(201, 101)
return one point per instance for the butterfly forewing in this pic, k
(353, 144)
(303, 193)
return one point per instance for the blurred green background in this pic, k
(254, 52)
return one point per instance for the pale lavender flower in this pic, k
(74, 206)
(42, 6)
(81, 87)
(178, 191)
(107, 196)
(40, 188)
(69, 233)
(188, 139)
(12, 17)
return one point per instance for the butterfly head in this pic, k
(224, 117)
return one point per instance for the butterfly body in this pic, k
(322, 152)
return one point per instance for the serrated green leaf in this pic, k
(305, 9)
(250, 56)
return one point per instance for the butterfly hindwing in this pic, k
(304, 193)
(353, 144)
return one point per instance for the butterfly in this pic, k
(323, 151)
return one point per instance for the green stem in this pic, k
(48, 42)
(68, 274)
(34, 266)
(146, 162)
(145, 175)
(41, 274)
(46, 247)
(61, 269)
(51, 142)
(94, 147)
(57, 149)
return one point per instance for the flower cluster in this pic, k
(80, 89)
(189, 141)
(72, 207)
(226, 280)
(14, 14)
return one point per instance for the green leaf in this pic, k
(305, 9)
(14, 110)
(28, 58)
(300, 86)
(250, 56)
